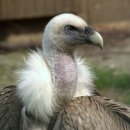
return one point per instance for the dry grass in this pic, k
(9, 63)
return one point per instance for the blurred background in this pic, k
(22, 23)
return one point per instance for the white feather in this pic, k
(85, 79)
(35, 86)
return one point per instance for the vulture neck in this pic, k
(50, 79)
(63, 71)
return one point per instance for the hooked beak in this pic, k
(93, 37)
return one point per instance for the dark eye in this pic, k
(70, 29)
(88, 30)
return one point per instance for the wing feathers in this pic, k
(9, 109)
(94, 113)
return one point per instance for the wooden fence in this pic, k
(21, 9)
(95, 11)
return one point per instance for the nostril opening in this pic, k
(88, 31)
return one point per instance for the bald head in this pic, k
(68, 31)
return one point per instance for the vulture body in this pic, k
(55, 76)
(92, 113)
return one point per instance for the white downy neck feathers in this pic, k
(35, 87)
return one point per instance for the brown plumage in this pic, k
(10, 109)
(82, 113)
(93, 113)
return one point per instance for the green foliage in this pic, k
(114, 85)
(108, 78)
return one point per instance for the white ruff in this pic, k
(85, 84)
(35, 86)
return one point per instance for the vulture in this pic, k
(55, 89)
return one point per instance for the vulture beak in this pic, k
(93, 37)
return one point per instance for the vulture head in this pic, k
(68, 31)
(54, 74)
